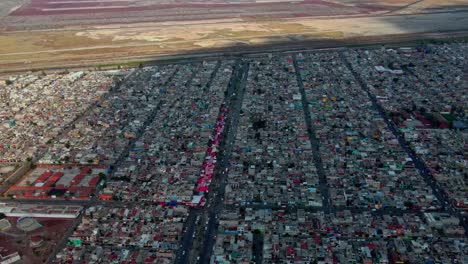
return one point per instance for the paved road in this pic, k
(323, 186)
(148, 121)
(215, 203)
(15, 176)
(84, 115)
(438, 192)
(463, 218)
(95, 201)
(235, 92)
(41, 152)
(187, 240)
(58, 247)
(257, 247)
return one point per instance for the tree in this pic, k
(242, 211)
(8, 82)
(258, 199)
(2, 215)
(408, 204)
(140, 66)
(102, 176)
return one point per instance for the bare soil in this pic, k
(74, 44)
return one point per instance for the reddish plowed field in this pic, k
(67, 7)
(49, 14)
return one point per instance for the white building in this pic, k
(34, 210)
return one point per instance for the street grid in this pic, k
(197, 237)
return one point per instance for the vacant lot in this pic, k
(16, 240)
(51, 14)
(96, 37)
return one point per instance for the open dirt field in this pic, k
(72, 31)
(59, 13)
(16, 240)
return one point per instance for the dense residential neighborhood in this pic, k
(342, 156)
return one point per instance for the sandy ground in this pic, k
(6, 169)
(33, 49)
(434, 5)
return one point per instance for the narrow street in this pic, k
(323, 187)
(190, 227)
(438, 192)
